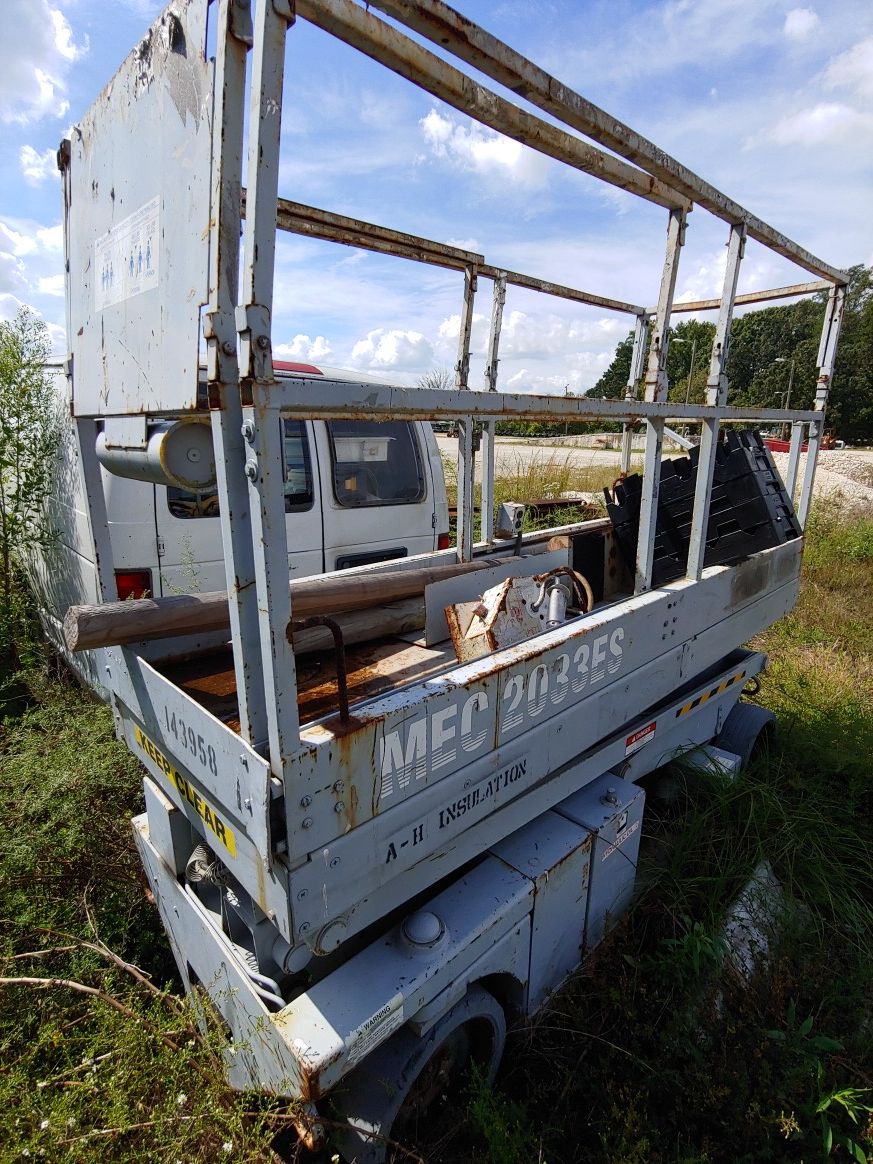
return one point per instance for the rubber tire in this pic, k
(746, 730)
(371, 1097)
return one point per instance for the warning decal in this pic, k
(126, 257)
(375, 1030)
(190, 796)
(640, 738)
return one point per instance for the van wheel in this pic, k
(748, 732)
(401, 1082)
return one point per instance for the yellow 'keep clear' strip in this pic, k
(209, 816)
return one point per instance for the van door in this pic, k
(378, 491)
(190, 551)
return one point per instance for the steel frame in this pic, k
(260, 612)
(558, 708)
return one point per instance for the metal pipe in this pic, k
(408, 59)
(294, 396)
(790, 292)
(313, 222)
(456, 34)
(339, 646)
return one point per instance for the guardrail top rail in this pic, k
(155, 208)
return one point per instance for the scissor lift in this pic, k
(370, 891)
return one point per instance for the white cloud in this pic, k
(51, 285)
(50, 238)
(482, 151)
(35, 166)
(34, 61)
(393, 348)
(547, 335)
(824, 123)
(799, 23)
(9, 304)
(304, 348)
(852, 70)
(15, 242)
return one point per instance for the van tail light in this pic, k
(133, 584)
(442, 541)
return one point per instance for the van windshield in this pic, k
(375, 463)
(298, 480)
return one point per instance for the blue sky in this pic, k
(769, 100)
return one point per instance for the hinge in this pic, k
(433, 521)
(162, 549)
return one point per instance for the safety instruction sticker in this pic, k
(640, 738)
(126, 257)
(375, 1030)
(207, 813)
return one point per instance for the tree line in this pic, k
(772, 360)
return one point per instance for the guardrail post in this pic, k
(264, 464)
(466, 454)
(656, 391)
(794, 458)
(637, 367)
(716, 394)
(827, 351)
(222, 367)
(490, 426)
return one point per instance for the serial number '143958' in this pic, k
(191, 741)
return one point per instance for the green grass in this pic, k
(654, 1052)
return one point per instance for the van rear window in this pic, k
(375, 463)
(298, 480)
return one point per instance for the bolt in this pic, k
(251, 470)
(248, 430)
(339, 787)
(301, 895)
(228, 348)
(303, 927)
(307, 822)
(338, 807)
(263, 342)
(334, 862)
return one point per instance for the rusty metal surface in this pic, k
(339, 656)
(406, 57)
(455, 33)
(314, 222)
(790, 292)
(372, 669)
(137, 188)
(370, 401)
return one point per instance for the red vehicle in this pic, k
(777, 445)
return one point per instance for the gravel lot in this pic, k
(845, 475)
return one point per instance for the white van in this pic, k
(356, 491)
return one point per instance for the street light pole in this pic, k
(691, 369)
(787, 398)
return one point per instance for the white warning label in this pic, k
(376, 1029)
(126, 257)
(640, 738)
